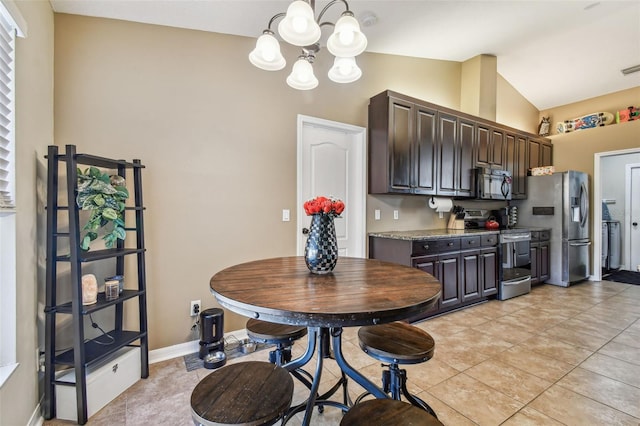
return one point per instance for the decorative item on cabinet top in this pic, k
(105, 197)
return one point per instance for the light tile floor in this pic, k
(555, 356)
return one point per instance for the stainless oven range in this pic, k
(515, 244)
(515, 277)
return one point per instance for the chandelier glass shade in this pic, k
(302, 77)
(299, 27)
(267, 55)
(345, 70)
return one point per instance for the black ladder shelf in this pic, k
(86, 353)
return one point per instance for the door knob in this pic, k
(305, 231)
(635, 223)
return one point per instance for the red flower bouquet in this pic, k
(324, 205)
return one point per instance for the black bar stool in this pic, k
(247, 393)
(385, 412)
(397, 343)
(281, 335)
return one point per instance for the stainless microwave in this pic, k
(493, 184)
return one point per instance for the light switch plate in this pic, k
(376, 214)
(395, 214)
(285, 215)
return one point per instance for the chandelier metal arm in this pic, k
(331, 3)
(276, 16)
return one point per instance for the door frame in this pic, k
(627, 216)
(596, 274)
(358, 201)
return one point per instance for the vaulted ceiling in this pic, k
(553, 52)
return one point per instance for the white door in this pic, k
(632, 216)
(332, 163)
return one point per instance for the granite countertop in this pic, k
(423, 234)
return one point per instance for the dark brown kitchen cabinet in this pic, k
(402, 147)
(491, 145)
(416, 147)
(470, 266)
(515, 162)
(540, 153)
(489, 271)
(445, 267)
(455, 161)
(540, 252)
(465, 151)
(466, 266)
(479, 270)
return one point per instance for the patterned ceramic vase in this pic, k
(321, 250)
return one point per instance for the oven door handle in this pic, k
(524, 280)
(514, 238)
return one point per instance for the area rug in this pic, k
(193, 361)
(628, 277)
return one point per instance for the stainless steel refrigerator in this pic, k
(561, 202)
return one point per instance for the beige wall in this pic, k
(611, 102)
(575, 150)
(514, 110)
(34, 131)
(218, 137)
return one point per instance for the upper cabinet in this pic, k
(540, 153)
(491, 146)
(416, 147)
(516, 163)
(402, 148)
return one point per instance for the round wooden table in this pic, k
(358, 292)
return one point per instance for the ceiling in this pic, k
(553, 52)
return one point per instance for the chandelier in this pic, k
(300, 28)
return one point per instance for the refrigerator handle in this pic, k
(580, 244)
(584, 205)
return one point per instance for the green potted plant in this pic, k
(105, 197)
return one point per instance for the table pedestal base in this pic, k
(323, 339)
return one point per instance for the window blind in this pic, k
(7, 139)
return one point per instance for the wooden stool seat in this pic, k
(385, 412)
(249, 393)
(269, 332)
(396, 342)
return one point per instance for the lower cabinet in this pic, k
(540, 256)
(446, 268)
(467, 267)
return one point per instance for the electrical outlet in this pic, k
(395, 214)
(194, 309)
(376, 214)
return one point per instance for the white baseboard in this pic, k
(182, 349)
(36, 417)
